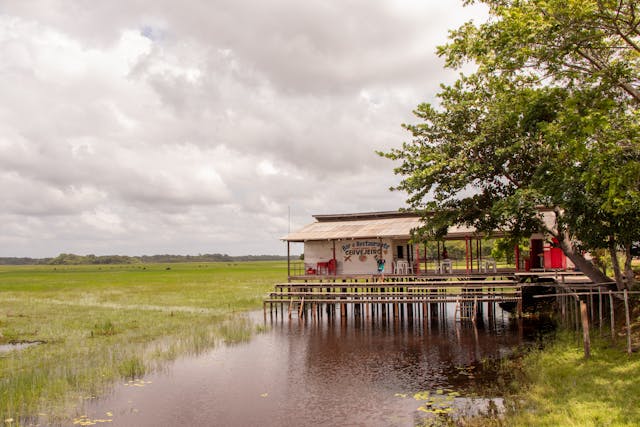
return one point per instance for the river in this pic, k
(334, 371)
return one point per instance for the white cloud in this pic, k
(164, 127)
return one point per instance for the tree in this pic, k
(549, 118)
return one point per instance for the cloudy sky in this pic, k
(156, 126)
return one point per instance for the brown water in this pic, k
(331, 372)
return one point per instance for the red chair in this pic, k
(332, 268)
(323, 267)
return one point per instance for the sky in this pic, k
(205, 126)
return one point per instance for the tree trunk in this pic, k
(613, 251)
(580, 261)
(628, 271)
(564, 240)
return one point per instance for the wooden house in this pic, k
(357, 244)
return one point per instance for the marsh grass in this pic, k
(104, 324)
(557, 386)
(103, 328)
(132, 368)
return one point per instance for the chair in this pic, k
(409, 268)
(402, 266)
(489, 264)
(445, 266)
(332, 267)
(323, 267)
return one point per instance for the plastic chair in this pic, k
(332, 266)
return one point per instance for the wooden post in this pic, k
(470, 255)
(613, 320)
(628, 320)
(289, 260)
(466, 252)
(334, 253)
(585, 329)
(425, 258)
(517, 250)
(600, 310)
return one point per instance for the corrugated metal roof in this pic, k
(356, 229)
(380, 225)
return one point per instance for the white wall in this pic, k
(353, 256)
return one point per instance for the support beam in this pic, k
(289, 259)
(426, 268)
(466, 252)
(585, 329)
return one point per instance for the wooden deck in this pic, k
(395, 294)
(456, 274)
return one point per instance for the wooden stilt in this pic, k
(627, 319)
(600, 314)
(585, 329)
(577, 319)
(612, 315)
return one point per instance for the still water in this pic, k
(329, 372)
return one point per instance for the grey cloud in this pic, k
(144, 127)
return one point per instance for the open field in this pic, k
(103, 323)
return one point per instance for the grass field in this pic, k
(103, 323)
(561, 388)
(100, 324)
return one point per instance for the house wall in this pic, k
(352, 256)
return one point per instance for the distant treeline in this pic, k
(72, 259)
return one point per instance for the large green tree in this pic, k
(550, 118)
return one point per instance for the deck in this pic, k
(394, 294)
(400, 295)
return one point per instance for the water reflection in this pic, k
(324, 370)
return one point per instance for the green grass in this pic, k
(561, 388)
(101, 324)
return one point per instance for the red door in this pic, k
(554, 257)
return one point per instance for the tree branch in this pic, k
(627, 87)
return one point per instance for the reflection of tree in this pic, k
(397, 356)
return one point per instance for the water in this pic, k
(328, 372)
(5, 348)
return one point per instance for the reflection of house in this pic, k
(352, 244)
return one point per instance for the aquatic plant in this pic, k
(103, 324)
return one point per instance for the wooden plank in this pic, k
(338, 295)
(404, 285)
(447, 299)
